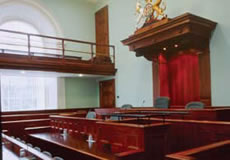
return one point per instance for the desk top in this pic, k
(76, 143)
(144, 114)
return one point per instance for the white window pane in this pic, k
(28, 93)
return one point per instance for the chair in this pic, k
(47, 153)
(195, 105)
(19, 139)
(126, 106)
(23, 141)
(162, 102)
(38, 149)
(114, 118)
(91, 115)
(29, 145)
(58, 158)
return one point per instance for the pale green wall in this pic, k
(81, 92)
(134, 75)
(74, 17)
(220, 44)
(134, 78)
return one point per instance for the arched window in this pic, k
(18, 43)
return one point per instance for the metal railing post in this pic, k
(63, 48)
(29, 45)
(114, 55)
(92, 52)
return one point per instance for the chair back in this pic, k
(37, 148)
(91, 115)
(114, 118)
(162, 102)
(47, 153)
(126, 106)
(58, 158)
(195, 105)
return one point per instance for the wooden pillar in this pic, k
(205, 77)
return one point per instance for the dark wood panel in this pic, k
(205, 76)
(102, 31)
(107, 94)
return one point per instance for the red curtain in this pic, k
(179, 78)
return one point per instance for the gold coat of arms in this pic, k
(151, 11)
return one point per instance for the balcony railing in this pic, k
(21, 43)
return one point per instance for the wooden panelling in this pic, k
(205, 76)
(123, 136)
(8, 61)
(75, 125)
(102, 31)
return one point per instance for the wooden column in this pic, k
(205, 77)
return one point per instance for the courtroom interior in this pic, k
(114, 80)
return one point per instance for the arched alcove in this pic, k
(29, 12)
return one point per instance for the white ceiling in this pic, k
(8, 72)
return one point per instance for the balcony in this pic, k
(19, 50)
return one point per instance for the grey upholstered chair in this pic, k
(162, 102)
(38, 149)
(126, 106)
(58, 158)
(195, 105)
(29, 145)
(91, 115)
(47, 153)
(114, 118)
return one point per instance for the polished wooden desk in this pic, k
(215, 151)
(71, 146)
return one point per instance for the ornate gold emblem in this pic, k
(151, 11)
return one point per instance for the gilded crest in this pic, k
(151, 11)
